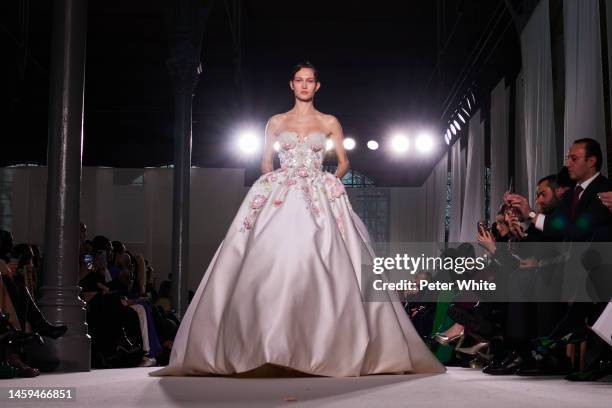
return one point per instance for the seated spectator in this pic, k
(17, 300)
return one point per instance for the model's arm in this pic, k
(270, 138)
(338, 138)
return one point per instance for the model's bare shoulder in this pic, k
(330, 121)
(275, 122)
(276, 119)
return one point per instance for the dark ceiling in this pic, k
(378, 64)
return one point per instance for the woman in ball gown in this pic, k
(283, 290)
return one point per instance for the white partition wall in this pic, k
(584, 100)
(457, 192)
(474, 201)
(500, 127)
(521, 185)
(540, 146)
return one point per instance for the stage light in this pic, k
(248, 142)
(329, 145)
(467, 114)
(447, 138)
(468, 103)
(400, 143)
(276, 146)
(457, 124)
(461, 117)
(373, 145)
(448, 134)
(453, 129)
(424, 142)
(349, 143)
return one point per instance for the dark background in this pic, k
(383, 65)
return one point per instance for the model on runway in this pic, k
(283, 288)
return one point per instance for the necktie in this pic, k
(575, 199)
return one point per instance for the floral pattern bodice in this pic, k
(304, 156)
(301, 170)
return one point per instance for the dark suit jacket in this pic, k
(592, 217)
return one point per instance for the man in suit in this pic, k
(581, 216)
(529, 281)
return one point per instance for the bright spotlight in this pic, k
(461, 117)
(400, 143)
(349, 143)
(453, 129)
(457, 125)
(447, 139)
(468, 103)
(248, 142)
(467, 114)
(373, 145)
(329, 145)
(276, 146)
(424, 142)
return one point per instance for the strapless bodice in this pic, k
(306, 154)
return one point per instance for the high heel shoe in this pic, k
(446, 340)
(475, 349)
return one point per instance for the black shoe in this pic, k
(549, 364)
(44, 328)
(125, 345)
(508, 367)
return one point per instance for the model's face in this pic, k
(580, 167)
(304, 84)
(546, 200)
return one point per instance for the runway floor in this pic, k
(457, 388)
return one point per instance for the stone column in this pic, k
(60, 301)
(185, 68)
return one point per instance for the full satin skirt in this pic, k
(284, 288)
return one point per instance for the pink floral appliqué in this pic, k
(311, 204)
(249, 221)
(316, 147)
(258, 201)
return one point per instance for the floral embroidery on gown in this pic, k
(284, 285)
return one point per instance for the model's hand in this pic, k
(266, 167)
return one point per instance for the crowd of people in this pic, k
(129, 318)
(531, 329)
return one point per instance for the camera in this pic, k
(483, 226)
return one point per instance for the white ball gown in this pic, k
(283, 288)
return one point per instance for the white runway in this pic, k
(457, 388)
